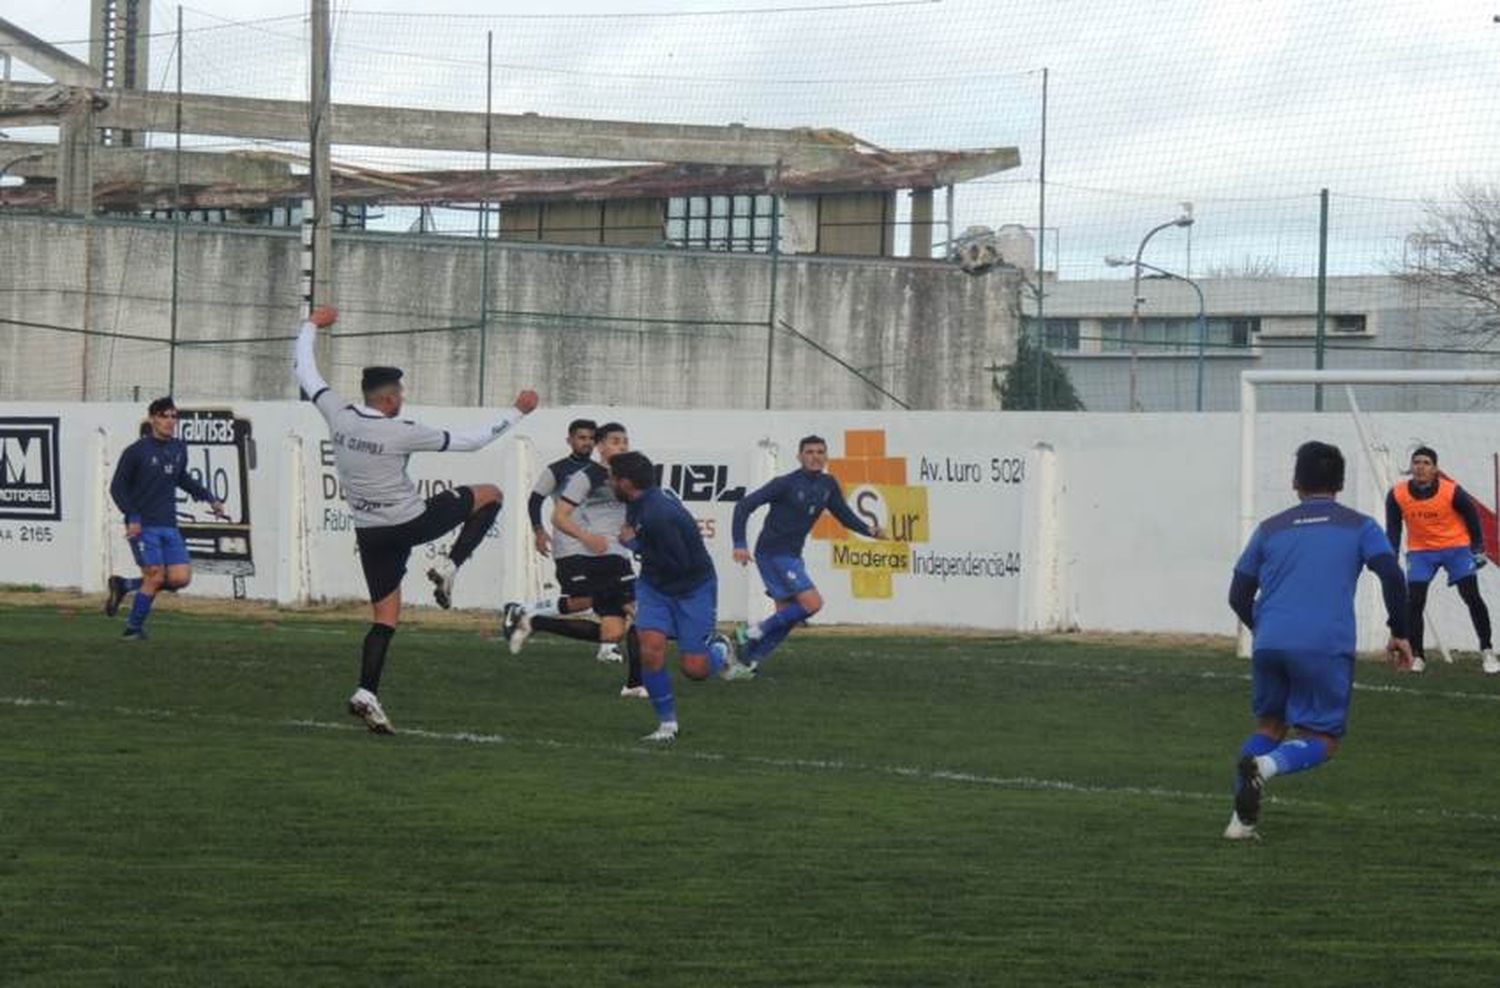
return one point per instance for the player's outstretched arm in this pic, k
(526, 402)
(304, 359)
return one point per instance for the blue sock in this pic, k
(132, 584)
(658, 684)
(140, 609)
(1256, 744)
(787, 617)
(717, 657)
(1299, 755)
(760, 648)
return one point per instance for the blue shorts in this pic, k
(1309, 690)
(784, 576)
(690, 618)
(159, 545)
(1422, 565)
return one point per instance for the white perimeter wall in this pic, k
(1006, 521)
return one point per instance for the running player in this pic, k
(150, 472)
(1293, 587)
(797, 499)
(677, 591)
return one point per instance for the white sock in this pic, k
(754, 633)
(1267, 766)
(546, 607)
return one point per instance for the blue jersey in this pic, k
(1306, 561)
(796, 500)
(673, 558)
(147, 478)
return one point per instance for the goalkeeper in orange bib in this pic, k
(1442, 532)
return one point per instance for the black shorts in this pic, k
(384, 550)
(607, 580)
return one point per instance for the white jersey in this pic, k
(370, 453)
(596, 509)
(370, 450)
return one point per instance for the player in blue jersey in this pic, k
(1293, 587)
(676, 593)
(796, 500)
(150, 472)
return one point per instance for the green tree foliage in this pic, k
(1036, 381)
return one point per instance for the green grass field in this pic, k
(872, 811)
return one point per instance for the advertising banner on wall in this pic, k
(30, 478)
(220, 458)
(951, 506)
(31, 497)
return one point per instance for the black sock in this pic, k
(372, 661)
(474, 528)
(1468, 589)
(632, 658)
(587, 631)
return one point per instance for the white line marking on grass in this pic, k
(1241, 677)
(831, 766)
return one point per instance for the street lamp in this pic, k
(1202, 321)
(33, 156)
(1135, 305)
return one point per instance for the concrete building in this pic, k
(100, 309)
(697, 266)
(1372, 323)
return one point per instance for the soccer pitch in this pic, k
(871, 811)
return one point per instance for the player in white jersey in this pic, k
(371, 446)
(594, 570)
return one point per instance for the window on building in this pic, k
(1349, 324)
(741, 224)
(1060, 334)
(1179, 334)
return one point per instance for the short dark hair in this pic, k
(577, 424)
(1319, 469)
(375, 378)
(636, 468)
(1426, 451)
(806, 441)
(606, 429)
(162, 404)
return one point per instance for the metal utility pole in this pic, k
(1319, 339)
(320, 175)
(176, 217)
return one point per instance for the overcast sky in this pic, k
(1246, 110)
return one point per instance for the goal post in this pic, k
(1252, 380)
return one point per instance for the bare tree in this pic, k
(1249, 267)
(1456, 253)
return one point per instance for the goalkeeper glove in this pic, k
(1480, 559)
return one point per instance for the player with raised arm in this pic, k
(1293, 587)
(371, 447)
(144, 487)
(1442, 532)
(593, 569)
(676, 593)
(796, 501)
